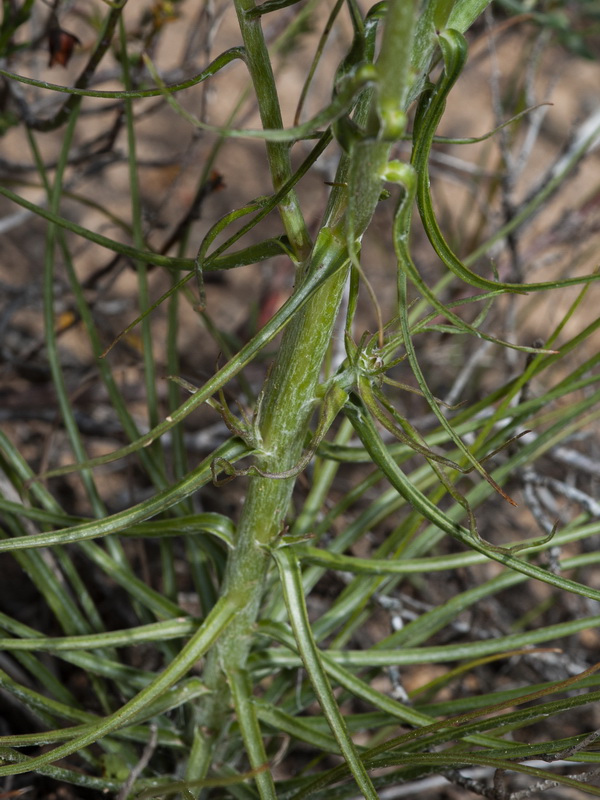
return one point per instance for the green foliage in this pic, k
(253, 693)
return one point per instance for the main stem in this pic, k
(289, 401)
(290, 392)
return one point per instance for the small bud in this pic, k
(394, 124)
(366, 73)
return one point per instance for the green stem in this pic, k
(290, 392)
(393, 67)
(278, 154)
(288, 405)
(58, 378)
(141, 268)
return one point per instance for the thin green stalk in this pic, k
(263, 80)
(241, 690)
(83, 308)
(150, 374)
(324, 473)
(50, 322)
(311, 657)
